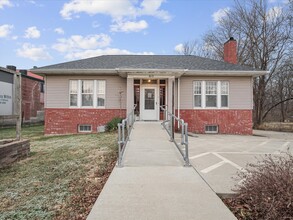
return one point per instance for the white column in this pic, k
(170, 94)
(130, 95)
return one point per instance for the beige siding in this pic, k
(57, 93)
(240, 91)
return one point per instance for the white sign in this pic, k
(5, 98)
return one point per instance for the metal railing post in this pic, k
(119, 145)
(122, 140)
(168, 124)
(186, 146)
(128, 127)
(172, 128)
(123, 131)
(182, 132)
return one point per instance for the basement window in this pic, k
(211, 129)
(84, 128)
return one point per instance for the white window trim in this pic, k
(203, 94)
(85, 131)
(79, 95)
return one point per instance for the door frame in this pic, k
(142, 101)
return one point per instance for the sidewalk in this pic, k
(153, 184)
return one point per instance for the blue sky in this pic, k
(44, 32)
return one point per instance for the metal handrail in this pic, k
(122, 137)
(168, 124)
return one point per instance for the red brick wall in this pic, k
(31, 98)
(229, 121)
(66, 121)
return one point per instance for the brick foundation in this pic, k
(229, 121)
(66, 121)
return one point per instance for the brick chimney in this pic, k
(230, 51)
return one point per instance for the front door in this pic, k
(149, 104)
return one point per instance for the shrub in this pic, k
(113, 124)
(266, 189)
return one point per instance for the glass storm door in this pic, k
(149, 104)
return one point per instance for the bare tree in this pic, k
(193, 47)
(264, 40)
(281, 93)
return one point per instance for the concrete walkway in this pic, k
(153, 184)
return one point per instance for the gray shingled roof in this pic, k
(149, 62)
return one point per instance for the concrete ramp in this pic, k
(154, 184)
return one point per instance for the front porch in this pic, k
(148, 94)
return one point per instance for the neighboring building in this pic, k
(32, 89)
(7, 78)
(208, 94)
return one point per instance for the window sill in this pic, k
(87, 107)
(210, 108)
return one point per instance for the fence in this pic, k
(168, 124)
(124, 130)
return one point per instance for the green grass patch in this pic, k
(59, 168)
(30, 132)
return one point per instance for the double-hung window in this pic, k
(87, 93)
(224, 94)
(73, 92)
(101, 86)
(197, 87)
(210, 94)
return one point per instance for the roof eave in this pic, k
(74, 71)
(225, 73)
(124, 72)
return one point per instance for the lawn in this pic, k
(62, 177)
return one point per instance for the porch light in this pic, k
(149, 81)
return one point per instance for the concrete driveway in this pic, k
(217, 158)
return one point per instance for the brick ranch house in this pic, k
(210, 95)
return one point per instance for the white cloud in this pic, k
(5, 30)
(122, 10)
(220, 14)
(59, 30)
(79, 47)
(116, 9)
(179, 48)
(99, 52)
(152, 8)
(129, 26)
(33, 52)
(32, 32)
(78, 42)
(4, 3)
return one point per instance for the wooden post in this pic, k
(17, 86)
